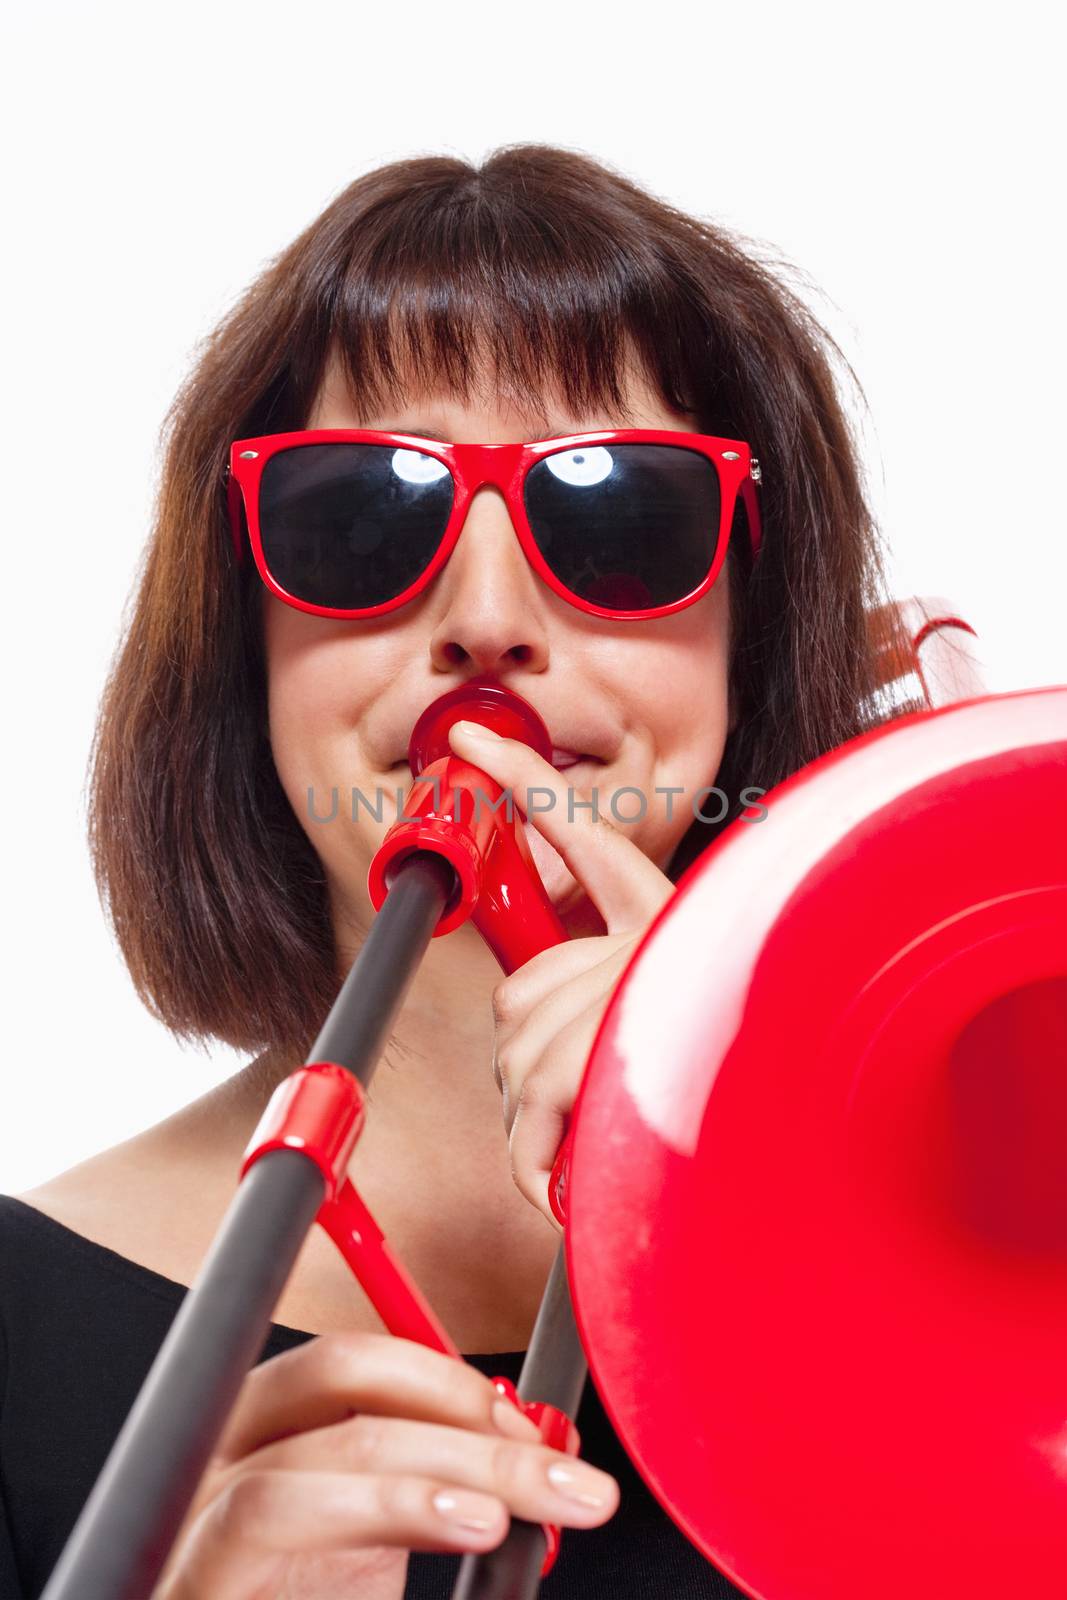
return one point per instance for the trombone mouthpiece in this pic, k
(478, 700)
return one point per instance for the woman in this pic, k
(538, 296)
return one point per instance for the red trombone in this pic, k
(459, 852)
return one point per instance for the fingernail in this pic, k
(476, 730)
(507, 1418)
(580, 1483)
(475, 1511)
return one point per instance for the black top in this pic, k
(79, 1328)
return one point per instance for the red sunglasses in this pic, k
(350, 522)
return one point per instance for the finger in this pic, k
(543, 1105)
(334, 1376)
(550, 970)
(517, 1473)
(625, 886)
(241, 1545)
(518, 1048)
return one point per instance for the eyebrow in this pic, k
(419, 433)
(554, 432)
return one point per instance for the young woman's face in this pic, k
(648, 699)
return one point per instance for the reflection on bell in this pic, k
(1007, 1112)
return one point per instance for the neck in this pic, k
(432, 1160)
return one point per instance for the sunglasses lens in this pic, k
(626, 526)
(349, 526)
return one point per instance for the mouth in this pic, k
(562, 760)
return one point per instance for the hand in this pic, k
(342, 1456)
(548, 1011)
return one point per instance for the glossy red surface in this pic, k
(816, 1198)
(320, 1111)
(478, 700)
(559, 1433)
(456, 810)
(505, 467)
(387, 1283)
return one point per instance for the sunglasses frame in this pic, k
(504, 467)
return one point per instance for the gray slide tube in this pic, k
(123, 1537)
(554, 1371)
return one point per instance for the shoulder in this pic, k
(118, 1199)
(82, 1198)
(80, 1328)
(157, 1197)
(96, 1260)
(103, 1199)
(154, 1200)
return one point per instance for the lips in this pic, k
(561, 759)
(590, 744)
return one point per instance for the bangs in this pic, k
(462, 287)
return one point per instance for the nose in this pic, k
(491, 614)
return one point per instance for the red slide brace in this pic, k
(320, 1111)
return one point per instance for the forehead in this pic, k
(487, 396)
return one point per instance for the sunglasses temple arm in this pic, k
(235, 508)
(750, 496)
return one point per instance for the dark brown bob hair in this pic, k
(547, 265)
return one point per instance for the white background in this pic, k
(902, 156)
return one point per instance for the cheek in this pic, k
(685, 702)
(297, 707)
(691, 730)
(322, 686)
(301, 696)
(316, 698)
